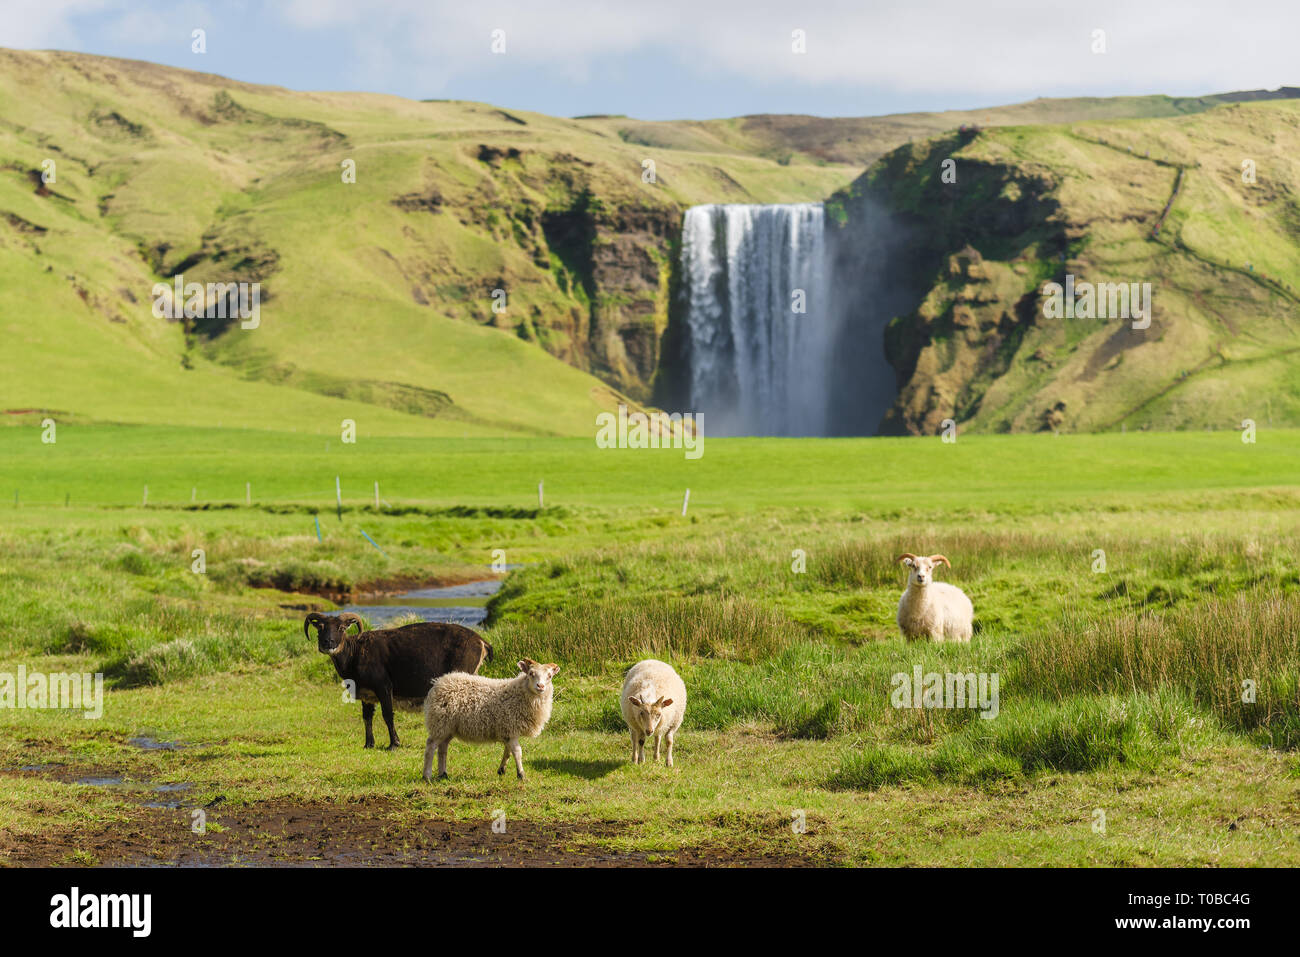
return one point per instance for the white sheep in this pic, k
(478, 709)
(933, 609)
(653, 703)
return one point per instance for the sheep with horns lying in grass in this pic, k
(653, 703)
(933, 609)
(480, 710)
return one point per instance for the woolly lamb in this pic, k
(933, 609)
(480, 710)
(654, 703)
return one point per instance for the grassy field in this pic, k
(1125, 587)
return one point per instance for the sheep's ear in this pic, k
(939, 558)
(553, 669)
(634, 700)
(665, 702)
(907, 558)
(523, 665)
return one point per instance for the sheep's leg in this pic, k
(429, 748)
(442, 758)
(368, 716)
(513, 745)
(505, 756)
(658, 737)
(640, 748)
(386, 706)
(668, 738)
(634, 747)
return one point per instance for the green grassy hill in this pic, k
(378, 294)
(1132, 201)
(861, 140)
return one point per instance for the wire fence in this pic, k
(312, 501)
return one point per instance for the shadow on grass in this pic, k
(578, 768)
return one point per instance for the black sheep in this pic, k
(395, 663)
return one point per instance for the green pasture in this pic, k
(1126, 588)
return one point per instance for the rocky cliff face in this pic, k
(947, 317)
(627, 254)
(597, 260)
(584, 259)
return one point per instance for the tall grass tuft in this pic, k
(1217, 652)
(871, 562)
(590, 635)
(1083, 733)
(1214, 564)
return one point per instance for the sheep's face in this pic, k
(649, 714)
(539, 676)
(921, 568)
(331, 631)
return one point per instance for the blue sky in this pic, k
(665, 59)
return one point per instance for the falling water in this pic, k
(758, 364)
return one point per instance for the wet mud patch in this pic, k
(368, 833)
(151, 794)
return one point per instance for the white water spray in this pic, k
(758, 366)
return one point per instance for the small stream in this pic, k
(463, 604)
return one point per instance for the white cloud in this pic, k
(43, 24)
(947, 48)
(942, 45)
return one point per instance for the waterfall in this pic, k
(758, 366)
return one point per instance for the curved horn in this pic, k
(940, 558)
(349, 619)
(905, 555)
(312, 619)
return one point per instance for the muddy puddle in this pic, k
(350, 834)
(169, 796)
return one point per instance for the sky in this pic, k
(695, 59)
